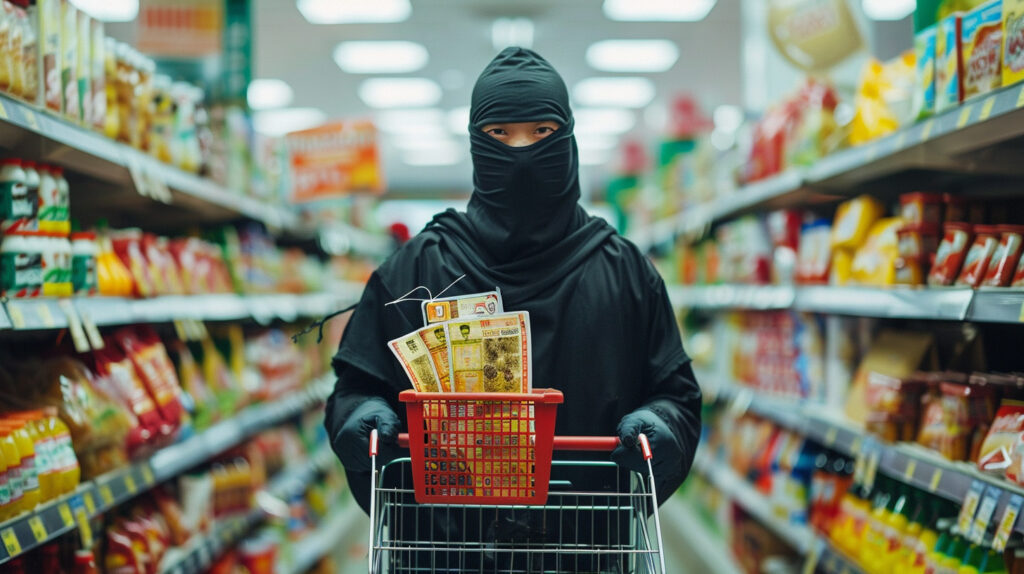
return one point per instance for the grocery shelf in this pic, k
(998, 305)
(93, 498)
(5, 321)
(830, 560)
(718, 473)
(907, 462)
(41, 314)
(324, 540)
(716, 297)
(201, 551)
(712, 551)
(931, 145)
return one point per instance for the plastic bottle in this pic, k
(21, 264)
(63, 221)
(70, 473)
(41, 443)
(12, 456)
(5, 488)
(49, 200)
(14, 203)
(84, 254)
(29, 470)
(32, 185)
(57, 266)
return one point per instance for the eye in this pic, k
(545, 130)
(497, 132)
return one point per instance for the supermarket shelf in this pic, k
(41, 314)
(199, 554)
(324, 540)
(907, 462)
(831, 561)
(931, 145)
(799, 536)
(706, 546)
(93, 498)
(718, 297)
(998, 306)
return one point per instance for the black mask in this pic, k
(524, 199)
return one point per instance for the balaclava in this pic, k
(524, 199)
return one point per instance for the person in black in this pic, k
(603, 328)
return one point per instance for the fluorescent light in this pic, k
(353, 11)
(445, 155)
(658, 10)
(507, 32)
(267, 93)
(404, 122)
(285, 120)
(109, 10)
(603, 121)
(398, 57)
(632, 55)
(399, 92)
(889, 9)
(728, 118)
(614, 92)
(458, 121)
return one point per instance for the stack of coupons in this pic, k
(469, 344)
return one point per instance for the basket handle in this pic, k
(588, 443)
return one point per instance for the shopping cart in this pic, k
(480, 493)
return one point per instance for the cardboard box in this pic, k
(949, 87)
(981, 43)
(1013, 41)
(924, 51)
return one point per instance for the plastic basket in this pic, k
(481, 448)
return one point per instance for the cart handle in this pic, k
(588, 443)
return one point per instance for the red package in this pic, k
(150, 358)
(952, 250)
(997, 448)
(919, 207)
(127, 245)
(979, 256)
(1007, 256)
(121, 380)
(163, 267)
(122, 553)
(136, 532)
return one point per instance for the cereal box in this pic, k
(924, 50)
(949, 88)
(981, 44)
(1013, 41)
(49, 39)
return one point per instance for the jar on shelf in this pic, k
(21, 264)
(956, 239)
(979, 256)
(84, 253)
(1006, 257)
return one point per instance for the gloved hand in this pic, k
(666, 448)
(352, 443)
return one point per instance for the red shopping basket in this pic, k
(481, 448)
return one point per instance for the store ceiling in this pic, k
(457, 36)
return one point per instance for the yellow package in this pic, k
(874, 263)
(895, 354)
(1013, 41)
(853, 220)
(842, 264)
(885, 98)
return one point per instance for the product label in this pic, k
(30, 472)
(5, 489)
(982, 47)
(21, 274)
(56, 274)
(16, 483)
(15, 201)
(1013, 41)
(924, 48)
(947, 64)
(83, 274)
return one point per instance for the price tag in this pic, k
(92, 332)
(872, 469)
(38, 529)
(30, 119)
(78, 336)
(18, 318)
(936, 478)
(984, 514)
(1007, 522)
(830, 436)
(46, 315)
(129, 484)
(986, 109)
(926, 132)
(3, 111)
(65, 515)
(965, 116)
(138, 176)
(10, 541)
(970, 507)
(90, 504)
(84, 527)
(1020, 98)
(107, 495)
(911, 467)
(179, 328)
(147, 476)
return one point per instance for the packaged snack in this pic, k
(815, 253)
(50, 13)
(6, 10)
(884, 99)
(952, 251)
(119, 378)
(949, 88)
(998, 445)
(71, 105)
(147, 353)
(921, 207)
(982, 42)
(896, 354)
(918, 240)
(127, 244)
(1013, 41)
(98, 76)
(953, 418)
(853, 220)
(979, 255)
(924, 50)
(30, 56)
(873, 264)
(1006, 257)
(893, 406)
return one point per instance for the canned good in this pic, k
(956, 238)
(1007, 256)
(979, 255)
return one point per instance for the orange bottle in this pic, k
(69, 472)
(12, 456)
(29, 470)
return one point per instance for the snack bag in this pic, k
(148, 354)
(996, 450)
(117, 375)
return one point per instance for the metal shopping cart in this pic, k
(480, 493)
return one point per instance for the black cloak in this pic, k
(603, 329)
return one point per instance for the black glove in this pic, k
(666, 448)
(352, 443)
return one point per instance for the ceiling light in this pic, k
(267, 93)
(507, 32)
(285, 120)
(658, 10)
(889, 9)
(428, 122)
(109, 10)
(458, 121)
(606, 121)
(632, 55)
(614, 92)
(728, 118)
(354, 11)
(399, 92)
(397, 57)
(446, 155)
